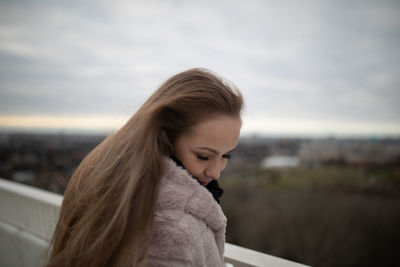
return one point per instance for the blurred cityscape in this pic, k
(319, 201)
(48, 160)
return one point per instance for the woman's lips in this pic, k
(205, 183)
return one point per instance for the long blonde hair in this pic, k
(110, 199)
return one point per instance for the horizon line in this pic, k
(251, 126)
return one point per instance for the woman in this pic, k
(147, 195)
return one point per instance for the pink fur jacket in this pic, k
(189, 226)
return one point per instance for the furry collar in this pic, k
(180, 191)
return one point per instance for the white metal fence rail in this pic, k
(28, 216)
(27, 220)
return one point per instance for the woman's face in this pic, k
(205, 149)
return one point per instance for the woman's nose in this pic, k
(213, 171)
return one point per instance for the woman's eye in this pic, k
(200, 157)
(227, 156)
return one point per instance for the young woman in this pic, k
(147, 195)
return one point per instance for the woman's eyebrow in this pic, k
(213, 150)
(209, 149)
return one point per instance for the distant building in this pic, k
(353, 152)
(280, 161)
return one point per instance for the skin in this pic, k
(205, 149)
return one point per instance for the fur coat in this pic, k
(189, 225)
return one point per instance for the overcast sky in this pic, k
(327, 67)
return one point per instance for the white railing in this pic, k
(28, 216)
(27, 219)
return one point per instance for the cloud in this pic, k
(314, 60)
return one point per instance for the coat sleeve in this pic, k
(182, 243)
(173, 240)
(205, 250)
(187, 251)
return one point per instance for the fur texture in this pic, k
(189, 225)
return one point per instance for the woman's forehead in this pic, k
(220, 133)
